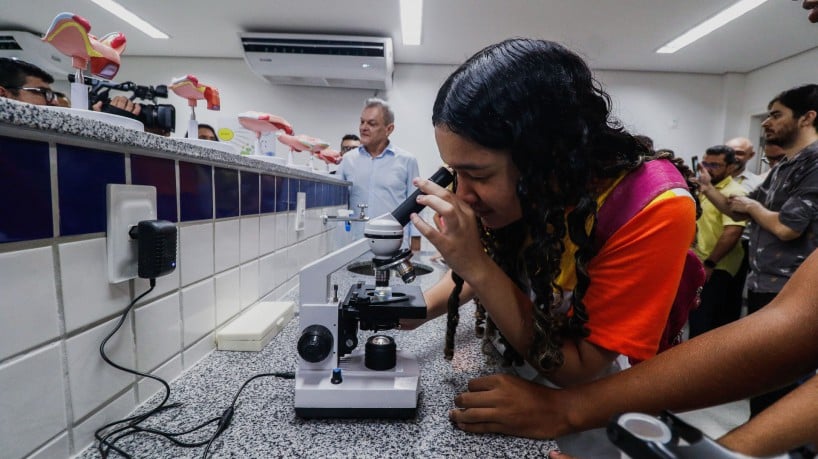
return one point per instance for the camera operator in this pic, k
(157, 118)
(121, 104)
(25, 82)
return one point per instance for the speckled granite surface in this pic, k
(265, 424)
(43, 120)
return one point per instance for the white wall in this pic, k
(764, 83)
(646, 102)
(684, 112)
(679, 111)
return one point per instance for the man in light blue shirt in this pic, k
(381, 173)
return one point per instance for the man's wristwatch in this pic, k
(709, 264)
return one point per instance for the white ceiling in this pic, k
(610, 34)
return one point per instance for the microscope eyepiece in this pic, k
(442, 177)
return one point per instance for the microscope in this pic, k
(335, 379)
(642, 436)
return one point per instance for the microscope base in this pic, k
(363, 393)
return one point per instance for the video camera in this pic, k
(156, 117)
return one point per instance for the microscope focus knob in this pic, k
(315, 343)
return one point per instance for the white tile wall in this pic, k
(158, 332)
(58, 447)
(199, 350)
(114, 411)
(249, 284)
(223, 267)
(164, 285)
(32, 400)
(228, 295)
(313, 224)
(291, 266)
(87, 295)
(285, 290)
(267, 234)
(198, 311)
(281, 231)
(92, 381)
(196, 252)
(288, 230)
(28, 307)
(249, 246)
(266, 275)
(227, 244)
(171, 370)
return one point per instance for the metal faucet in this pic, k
(362, 217)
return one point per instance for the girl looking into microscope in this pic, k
(530, 137)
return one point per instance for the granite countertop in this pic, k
(265, 424)
(46, 121)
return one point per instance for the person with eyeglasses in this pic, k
(717, 246)
(349, 142)
(782, 211)
(25, 82)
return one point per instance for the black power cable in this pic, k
(227, 415)
(130, 425)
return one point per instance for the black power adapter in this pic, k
(156, 252)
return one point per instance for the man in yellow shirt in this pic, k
(717, 245)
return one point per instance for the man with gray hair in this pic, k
(381, 173)
(744, 152)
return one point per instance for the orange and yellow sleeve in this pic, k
(635, 276)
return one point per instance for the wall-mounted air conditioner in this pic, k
(29, 47)
(320, 60)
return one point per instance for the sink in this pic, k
(365, 268)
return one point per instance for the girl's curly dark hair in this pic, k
(539, 101)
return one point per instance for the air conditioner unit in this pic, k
(320, 60)
(29, 47)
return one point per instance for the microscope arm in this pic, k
(317, 273)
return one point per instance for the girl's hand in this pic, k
(513, 406)
(457, 238)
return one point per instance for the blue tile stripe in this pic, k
(269, 183)
(195, 191)
(83, 175)
(26, 207)
(249, 193)
(160, 173)
(226, 186)
(25, 191)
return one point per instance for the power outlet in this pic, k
(300, 210)
(127, 206)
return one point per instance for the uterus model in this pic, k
(262, 123)
(329, 156)
(303, 142)
(188, 87)
(69, 33)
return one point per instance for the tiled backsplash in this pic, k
(237, 245)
